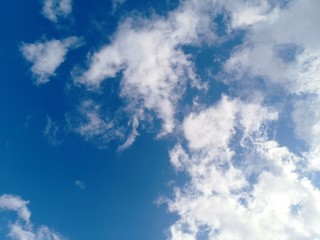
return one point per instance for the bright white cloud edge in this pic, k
(255, 189)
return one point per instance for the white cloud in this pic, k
(56, 9)
(249, 190)
(298, 76)
(214, 126)
(154, 69)
(179, 158)
(248, 13)
(284, 51)
(15, 203)
(18, 232)
(295, 68)
(22, 228)
(47, 56)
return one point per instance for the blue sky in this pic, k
(179, 120)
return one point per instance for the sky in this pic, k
(160, 120)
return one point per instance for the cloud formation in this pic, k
(283, 51)
(51, 132)
(56, 9)
(242, 185)
(281, 48)
(95, 125)
(22, 228)
(15, 203)
(46, 56)
(148, 55)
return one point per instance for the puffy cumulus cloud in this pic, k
(254, 189)
(46, 56)
(213, 133)
(55, 9)
(22, 228)
(154, 68)
(214, 126)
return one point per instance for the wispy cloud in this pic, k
(22, 228)
(80, 184)
(46, 56)
(51, 132)
(116, 4)
(56, 9)
(132, 136)
(155, 69)
(95, 125)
